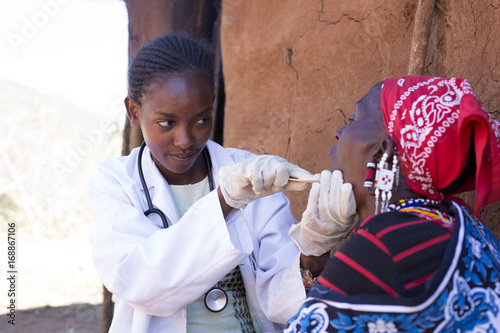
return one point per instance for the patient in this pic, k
(419, 260)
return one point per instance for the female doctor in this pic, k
(184, 245)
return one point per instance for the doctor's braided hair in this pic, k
(168, 54)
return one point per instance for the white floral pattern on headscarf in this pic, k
(432, 122)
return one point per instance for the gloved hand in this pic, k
(258, 176)
(330, 211)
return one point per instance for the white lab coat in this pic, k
(155, 273)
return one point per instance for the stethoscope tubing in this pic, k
(151, 208)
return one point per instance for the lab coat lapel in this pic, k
(158, 188)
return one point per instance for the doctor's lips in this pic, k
(184, 156)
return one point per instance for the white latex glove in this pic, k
(330, 211)
(258, 176)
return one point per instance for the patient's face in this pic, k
(357, 141)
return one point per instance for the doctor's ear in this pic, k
(133, 110)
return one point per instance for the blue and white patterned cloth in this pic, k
(463, 295)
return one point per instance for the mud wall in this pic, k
(294, 70)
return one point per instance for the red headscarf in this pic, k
(433, 122)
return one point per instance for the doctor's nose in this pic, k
(183, 138)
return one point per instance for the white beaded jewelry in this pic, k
(384, 182)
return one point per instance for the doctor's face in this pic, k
(176, 121)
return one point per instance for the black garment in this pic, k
(393, 253)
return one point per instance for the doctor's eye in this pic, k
(166, 123)
(203, 121)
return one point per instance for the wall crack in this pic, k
(343, 16)
(287, 55)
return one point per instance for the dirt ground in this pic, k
(58, 289)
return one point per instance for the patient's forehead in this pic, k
(369, 104)
(373, 95)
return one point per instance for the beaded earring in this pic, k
(370, 174)
(395, 168)
(384, 182)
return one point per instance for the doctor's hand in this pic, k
(258, 176)
(330, 212)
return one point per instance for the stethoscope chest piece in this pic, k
(216, 299)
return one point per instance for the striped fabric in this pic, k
(393, 253)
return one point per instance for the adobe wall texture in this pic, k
(294, 70)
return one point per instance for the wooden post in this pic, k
(107, 310)
(421, 33)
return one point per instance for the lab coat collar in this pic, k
(158, 186)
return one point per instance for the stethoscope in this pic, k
(216, 298)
